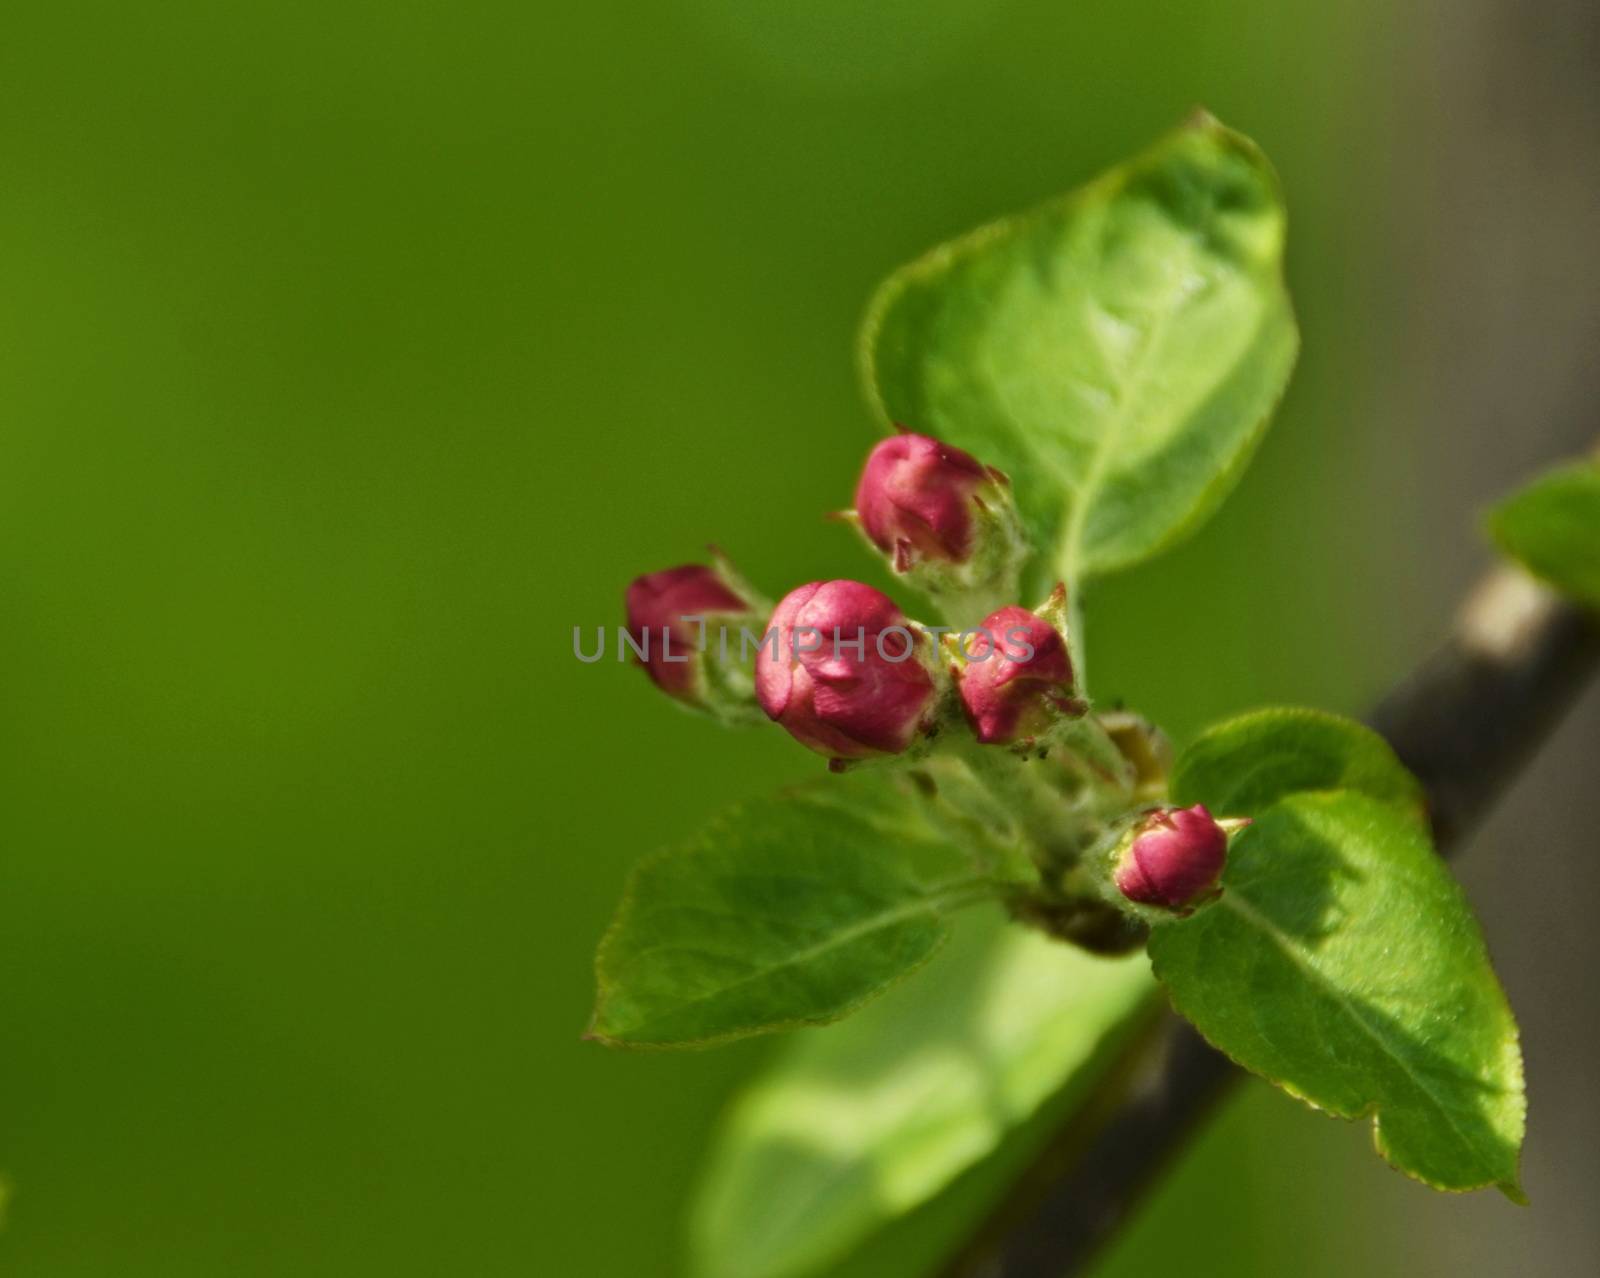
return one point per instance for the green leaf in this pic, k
(789, 911)
(1552, 527)
(1244, 765)
(1118, 352)
(1343, 964)
(853, 1128)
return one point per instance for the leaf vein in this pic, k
(1260, 921)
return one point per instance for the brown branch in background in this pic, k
(1465, 722)
(1468, 719)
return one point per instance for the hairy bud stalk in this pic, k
(847, 675)
(945, 521)
(678, 623)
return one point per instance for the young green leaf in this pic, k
(1552, 527)
(1118, 352)
(1343, 964)
(790, 911)
(852, 1128)
(1245, 764)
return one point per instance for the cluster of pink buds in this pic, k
(838, 664)
(846, 673)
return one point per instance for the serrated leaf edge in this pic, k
(1509, 1046)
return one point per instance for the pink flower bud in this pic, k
(843, 671)
(920, 499)
(1018, 677)
(657, 604)
(1174, 857)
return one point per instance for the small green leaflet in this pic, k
(1552, 527)
(1245, 764)
(1118, 352)
(853, 1128)
(1343, 964)
(789, 911)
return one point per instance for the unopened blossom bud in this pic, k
(941, 517)
(1173, 858)
(679, 623)
(1017, 680)
(844, 671)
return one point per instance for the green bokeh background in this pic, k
(353, 354)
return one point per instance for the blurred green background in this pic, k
(353, 353)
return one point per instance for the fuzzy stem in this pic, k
(1076, 647)
(1055, 827)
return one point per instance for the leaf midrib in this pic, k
(1241, 906)
(929, 903)
(1100, 460)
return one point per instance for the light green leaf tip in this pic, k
(851, 1129)
(1343, 964)
(1118, 351)
(1552, 527)
(783, 912)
